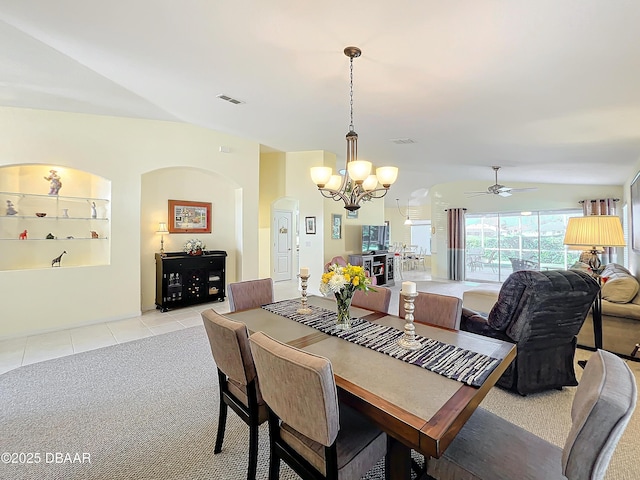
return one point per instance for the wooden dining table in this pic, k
(417, 408)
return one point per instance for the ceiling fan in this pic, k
(498, 189)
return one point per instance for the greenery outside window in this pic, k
(499, 243)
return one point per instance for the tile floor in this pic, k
(37, 348)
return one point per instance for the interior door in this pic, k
(283, 239)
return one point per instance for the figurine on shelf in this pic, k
(94, 213)
(94, 234)
(23, 235)
(50, 236)
(56, 261)
(56, 182)
(10, 208)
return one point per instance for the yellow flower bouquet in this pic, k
(343, 282)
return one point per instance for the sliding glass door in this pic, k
(498, 244)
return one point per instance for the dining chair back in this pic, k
(308, 428)
(490, 447)
(250, 294)
(435, 309)
(237, 379)
(377, 299)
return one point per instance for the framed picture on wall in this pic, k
(310, 223)
(189, 217)
(635, 213)
(336, 226)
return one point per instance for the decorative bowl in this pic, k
(41, 214)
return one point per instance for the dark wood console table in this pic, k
(183, 280)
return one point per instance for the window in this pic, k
(421, 236)
(497, 244)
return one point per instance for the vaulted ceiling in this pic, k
(547, 89)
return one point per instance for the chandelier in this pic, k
(357, 183)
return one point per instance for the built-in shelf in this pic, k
(79, 221)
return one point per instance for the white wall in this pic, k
(298, 185)
(190, 184)
(547, 197)
(120, 150)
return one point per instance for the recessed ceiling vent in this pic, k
(229, 99)
(403, 141)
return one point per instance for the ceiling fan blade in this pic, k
(502, 188)
(506, 193)
(518, 190)
(475, 194)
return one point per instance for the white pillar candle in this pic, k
(304, 271)
(408, 287)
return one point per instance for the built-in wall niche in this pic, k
(46, 210)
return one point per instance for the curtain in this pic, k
(602, 206)
(455, 243)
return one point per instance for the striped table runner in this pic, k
(453, 362)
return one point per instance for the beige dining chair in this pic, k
(250, 294)
(435, 309)
(318, 437)
(489, 447)
(239, 389)
(377, 300)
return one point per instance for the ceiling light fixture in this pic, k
(358, 184)
(408, 219)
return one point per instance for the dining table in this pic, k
(418, 408)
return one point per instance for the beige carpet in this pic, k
(148, 410)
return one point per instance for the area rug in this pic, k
(147, 409)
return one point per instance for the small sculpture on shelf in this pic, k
(94, 234)
(50, 236)
(94, 213)
(55, 182)
(56, 261)
(11, 208)
(23, 235)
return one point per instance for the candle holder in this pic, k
(408, 340)
(304, 309)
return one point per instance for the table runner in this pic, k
(448, 360)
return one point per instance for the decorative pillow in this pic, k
(620, 289)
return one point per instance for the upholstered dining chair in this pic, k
(250, 294)
(229, 341)
(318, 437)
(377, 299)
(489, 447)
(435, 309)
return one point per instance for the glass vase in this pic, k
(343, 321)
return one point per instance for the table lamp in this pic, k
(593, 233)
(162, 229)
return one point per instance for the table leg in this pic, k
(597, 320)
(398, 460)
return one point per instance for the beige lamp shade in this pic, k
(162, 228)
(594, 232)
